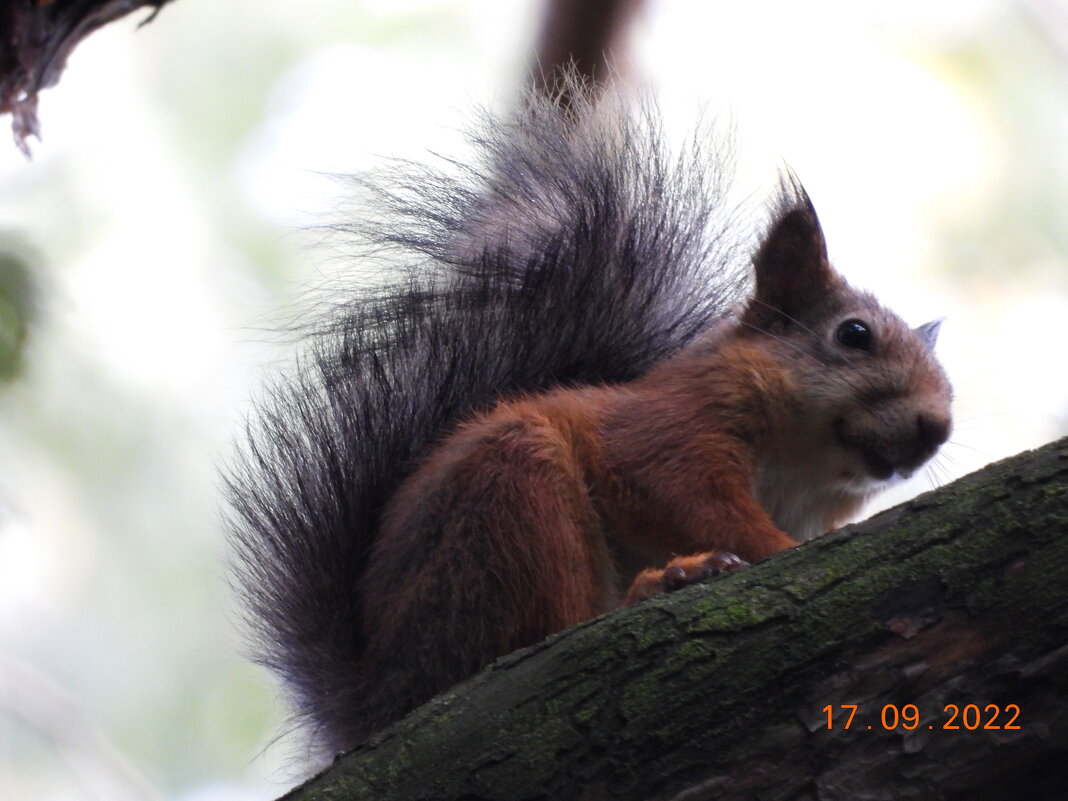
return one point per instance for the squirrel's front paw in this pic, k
(680, 572)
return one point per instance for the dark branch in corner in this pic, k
(36, 37)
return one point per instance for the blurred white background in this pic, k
(149, 247)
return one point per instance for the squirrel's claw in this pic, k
(682, 572)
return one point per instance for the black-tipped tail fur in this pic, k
(576, 250)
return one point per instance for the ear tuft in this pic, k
(928, 332)
(791, 264)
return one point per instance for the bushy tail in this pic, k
(577, 250)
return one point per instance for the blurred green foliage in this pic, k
(18, 307)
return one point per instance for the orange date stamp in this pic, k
(970, 717)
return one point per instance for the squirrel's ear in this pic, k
(928, 332)
(793, 272)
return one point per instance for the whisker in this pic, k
(985, 454)
(792, 319)
(835, 375)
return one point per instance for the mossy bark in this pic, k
(720, 691)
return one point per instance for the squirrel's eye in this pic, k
(854, 334)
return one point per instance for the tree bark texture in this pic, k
(719, 691)
(36, 37)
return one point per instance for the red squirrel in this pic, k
(561, 404)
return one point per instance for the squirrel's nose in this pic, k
(931, 431)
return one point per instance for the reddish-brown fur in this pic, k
(543, 511)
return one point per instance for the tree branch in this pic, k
(959, 597)
(36, 37)
(583, 40)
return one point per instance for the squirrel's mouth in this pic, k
(879, 467)
(899, 450)
(875, 462)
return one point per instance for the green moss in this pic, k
(738, 607)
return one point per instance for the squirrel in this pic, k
(569, 398)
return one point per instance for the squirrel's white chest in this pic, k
(807, 497)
